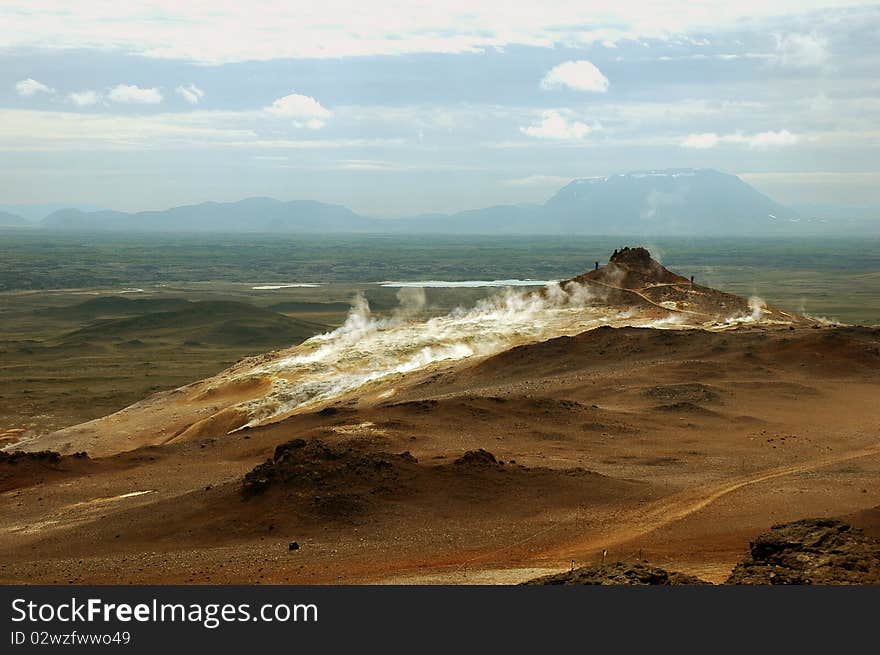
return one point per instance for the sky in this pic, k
(399, 108)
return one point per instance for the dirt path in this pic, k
(632, 525)
(648, 300)
(689, 501)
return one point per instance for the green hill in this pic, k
(206, 322)
(114, 306)
(295, 306)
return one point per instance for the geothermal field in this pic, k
(613, 427)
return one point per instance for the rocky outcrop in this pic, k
(477, 458)
(810, 551)
(619, 573)
(313, 465)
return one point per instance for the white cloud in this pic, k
(701, 141)
(269, 29)
(802, 50)
(26, 130)
(133, 94)
(771, 139)
(760, 140)
(305, 111)
(554, 125)
(83, 98)
(31, 87)
(191, 93)
(579, 75)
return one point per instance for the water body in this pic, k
(466, 284)
(273, 287)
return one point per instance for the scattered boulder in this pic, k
(618, 573)
(810, 551)
(477, 458)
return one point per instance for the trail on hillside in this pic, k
(633, 525)
(679, 506)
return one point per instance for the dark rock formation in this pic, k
(810, 551)
(477, 458)
(336, 481)
(637, 257)
(618, 573)
(49, 456)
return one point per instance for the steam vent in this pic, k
(371, 357)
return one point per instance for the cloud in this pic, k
(83, 98)
(191, 93)
(802, 50)
(305, 111)
(554, 125)
(760, 140)
(54, 131)
(771, 139)
(30, 87)
(269, 29)
(579, 75)
(135, 95)
(701, 141)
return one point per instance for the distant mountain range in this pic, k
(658, 202)
(249, 215)
(36, 213)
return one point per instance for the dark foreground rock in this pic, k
(810, 551)
(618, 573)
(316, 465)
(477, 458)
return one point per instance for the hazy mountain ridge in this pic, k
(10, 219)
(248, 215)
(34, 213)
(670, 201)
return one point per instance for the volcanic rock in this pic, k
(810, 551)
(618, 573)
(314, 465)
(477, 458)
(49, 456)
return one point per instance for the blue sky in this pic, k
(396, 108)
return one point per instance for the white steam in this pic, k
(758, 307)
(757, 313)
(366, 348)
(412, 300)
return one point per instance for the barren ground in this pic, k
(676, 445)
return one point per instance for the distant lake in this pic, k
(273, 287)
(467, 284)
